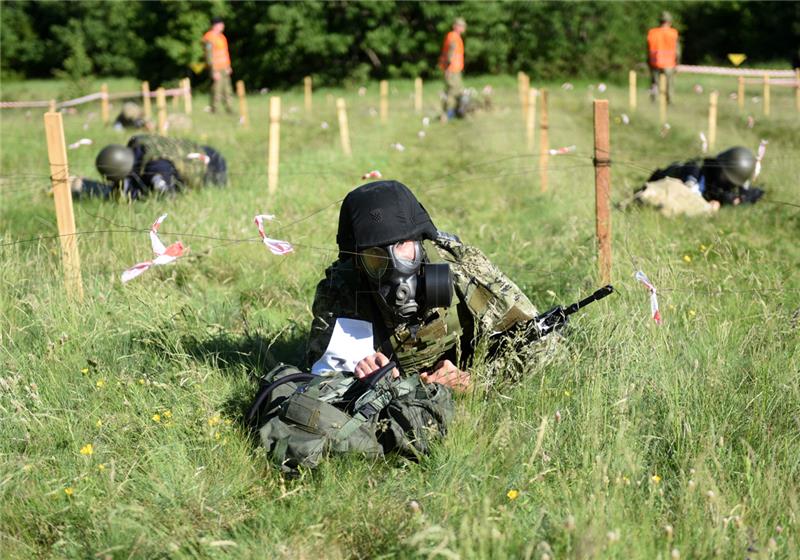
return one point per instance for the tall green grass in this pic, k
(632, 440)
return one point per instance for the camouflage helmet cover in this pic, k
(115, 162)
(737, 165)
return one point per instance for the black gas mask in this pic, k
(406, 287)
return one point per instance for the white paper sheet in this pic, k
(351, 341)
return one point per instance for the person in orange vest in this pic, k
(663, 52)
(219, 64)
(451, 61)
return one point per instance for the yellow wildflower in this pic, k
(703, 248)
(512, 494)
(655, 478)
(228, 422)
(99, 423)
(687, 259)
(85, 370)
(167, 414)
(214, 420)
(69, 491)
(567, 394)
(101, 383)
(141, 381)
(156, 417)
(217, 436)
(692, 313)
(87, 449)
(101, 467)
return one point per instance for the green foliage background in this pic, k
(275, 43)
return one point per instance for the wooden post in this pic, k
(712, 119)
(161, 104)
(244, 117)
(797, 90)
(187, 96)
(274, 142)
(344, 130)
(544, 142)
(307, 84)
(148, 111)
(52, 107)
(632, 90)
(104, 112)
(740, 93)
(531, 123)
(59, 176)
(384, 101)
(766, 95)
(524, 88)
(662, 98)
(602, 188)
(418, 95)
(174, 103)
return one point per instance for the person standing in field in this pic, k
(451, 61)
(663, 52)
(219, 63)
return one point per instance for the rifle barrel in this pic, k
(597, 295)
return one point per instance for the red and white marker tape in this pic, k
(656, 314)
(197, 155)
(562, 151)
(164, 255)
(276, 246)
(374, 174)
(703, 142)
(79, 143)
(762, 149)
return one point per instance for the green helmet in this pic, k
(737, 165)
(114, 162)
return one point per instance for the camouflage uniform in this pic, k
(486, 302)
(673, 198)
(190, 172)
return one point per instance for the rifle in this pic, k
(557, 317)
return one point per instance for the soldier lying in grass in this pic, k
(152, 164)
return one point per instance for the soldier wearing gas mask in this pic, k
(424, 296)
(152, 164)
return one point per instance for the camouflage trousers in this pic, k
(221, 92)
(453, 88)
(654, 85)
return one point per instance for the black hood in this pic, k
(379, 214)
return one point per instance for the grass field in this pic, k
(121, 433)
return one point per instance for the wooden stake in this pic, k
(797, 90)
(766, 95)
(662, 98)
(712, 119)
(274, 142)
(52, 107)
(531, 124)
(148, 111)
(187, 96)
(632, 90)
(307, 84)
(544, 142)
(59, 176)
(344, 130)
(418, 95)
(602, 188)
(174, 103)
(384, 101)
(524, 89)
(161, 104)
(740, 93)
(104, 112)
(244, 117)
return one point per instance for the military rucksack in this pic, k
(303, 418)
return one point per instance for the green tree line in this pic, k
(276, 43)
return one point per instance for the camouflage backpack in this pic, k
(191, 170)
(303, 418)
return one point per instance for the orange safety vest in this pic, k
(220, 59)
(456, 62)
(662, 47)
